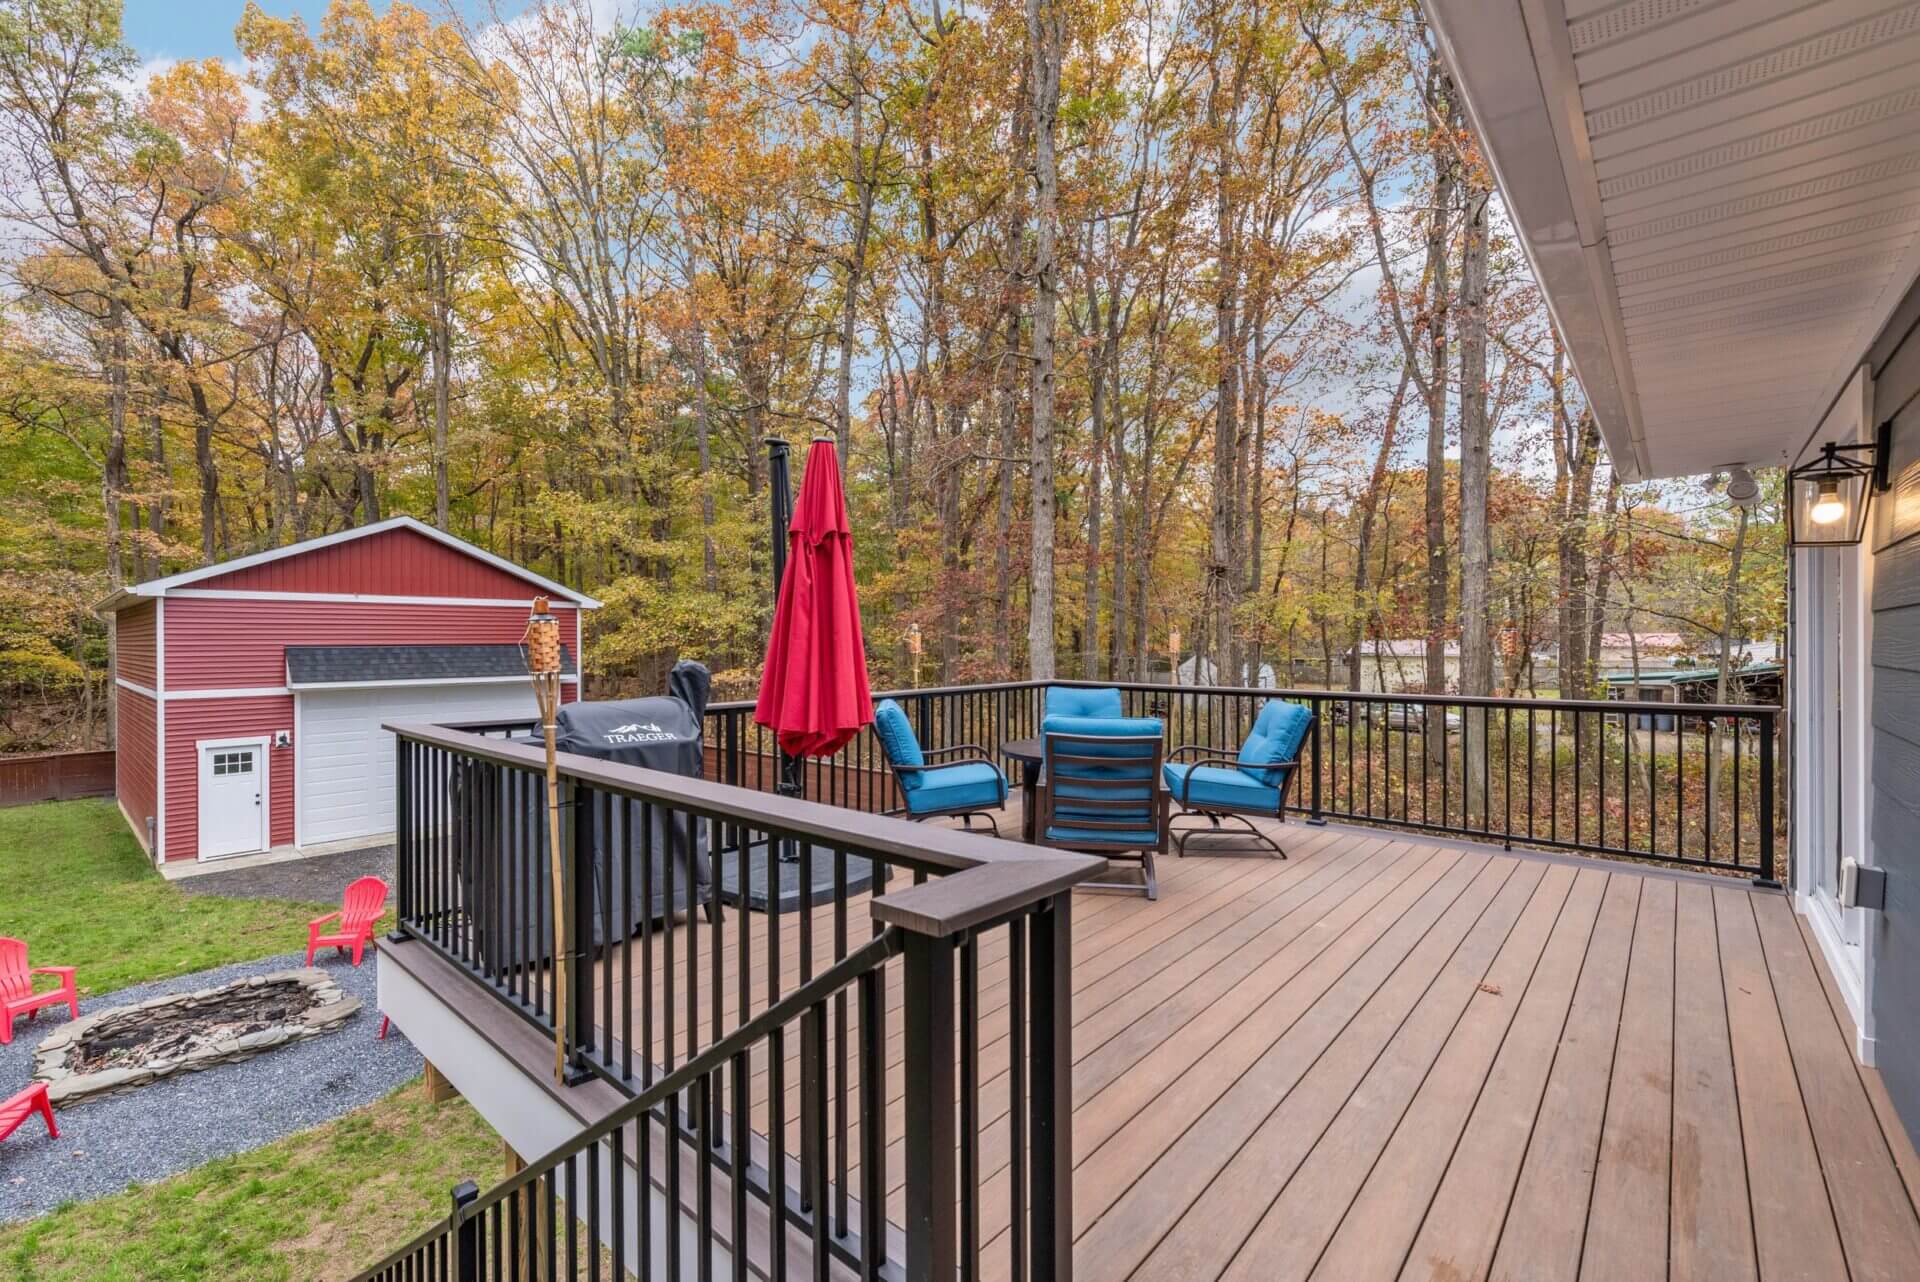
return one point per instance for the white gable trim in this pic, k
(350, 598)
(161, 587)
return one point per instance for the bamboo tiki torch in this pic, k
(543, 664)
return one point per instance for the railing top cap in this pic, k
(1755, 711)
(855, 831)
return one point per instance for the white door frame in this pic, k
(1832, 716)
(264, 743)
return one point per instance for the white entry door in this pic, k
(233, 799)
(344, 758)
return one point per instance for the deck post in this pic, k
(1319, 720)
(403, 891)
(466, 1233)
(1768, 742)
(1052, 1092)
(932, 1226)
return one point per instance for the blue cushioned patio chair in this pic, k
(945, 781)
(1083, 701)
(1100, 792)
(1251, 785)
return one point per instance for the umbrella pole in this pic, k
(789, 780)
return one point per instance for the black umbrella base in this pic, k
(787, 877)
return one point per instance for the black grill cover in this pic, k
(659, 733)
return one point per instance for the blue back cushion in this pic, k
(1132, 762)
(1071, 701)
(897, 738)
(1275, 740)
(1100, 724)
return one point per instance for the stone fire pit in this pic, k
(119, 1049)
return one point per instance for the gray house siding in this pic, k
(1895, 362)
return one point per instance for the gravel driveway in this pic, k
(319, 878)
(180, 1122)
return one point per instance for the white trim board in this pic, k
(232, 692)
(1852, 985)
(163, 586)
(160, 731)
(358, 598)
(273, 692)
(404, 683)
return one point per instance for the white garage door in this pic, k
(345, 760)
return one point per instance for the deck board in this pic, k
(1391, 1056)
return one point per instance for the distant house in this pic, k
(251, 694)
(1661, 650)
(1388, 667)
(1199, 671)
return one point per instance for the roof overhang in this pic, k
(332, 667)
(121, 598)
(1721, 202)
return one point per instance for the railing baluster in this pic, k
(873, 1124)
(932, 1236)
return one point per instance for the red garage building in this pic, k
(251, 693)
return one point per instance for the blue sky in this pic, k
(204, 28)
(200, 29)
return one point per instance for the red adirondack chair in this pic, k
(24, 1105)
(16, 987)
(360, 907)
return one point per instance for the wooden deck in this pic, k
(1391, 1057)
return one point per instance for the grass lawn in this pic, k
(322, 1204)
(81, 892)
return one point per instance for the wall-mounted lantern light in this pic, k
(1828, 499)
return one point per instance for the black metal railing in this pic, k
(742, 752)
(780, 1107)
(1687, 784)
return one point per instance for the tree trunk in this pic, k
(1090, 591)
(442, 377)
(1222, 580)
(1439, 292)
(1476, 465)
(1045, 38)
(1369, 508)
(113, 487)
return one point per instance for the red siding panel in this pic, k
(134, 644)
(392, 563)
(136, 758)
(228, 645)
(191, 720)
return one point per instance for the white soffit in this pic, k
(1721, 199)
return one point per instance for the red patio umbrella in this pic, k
(814, 694)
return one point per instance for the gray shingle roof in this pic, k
(322, 665)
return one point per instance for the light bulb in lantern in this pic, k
(1827, 505)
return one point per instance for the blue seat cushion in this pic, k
(1219, 786)
(969, 784)
(1074, 701)
(1142, 837)
(1275, 740)
(897, 739)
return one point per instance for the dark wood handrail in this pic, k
(1371, 696)
(946, 906)
(856, 831)
(1454, 700)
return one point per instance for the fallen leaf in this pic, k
(1490, 988)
